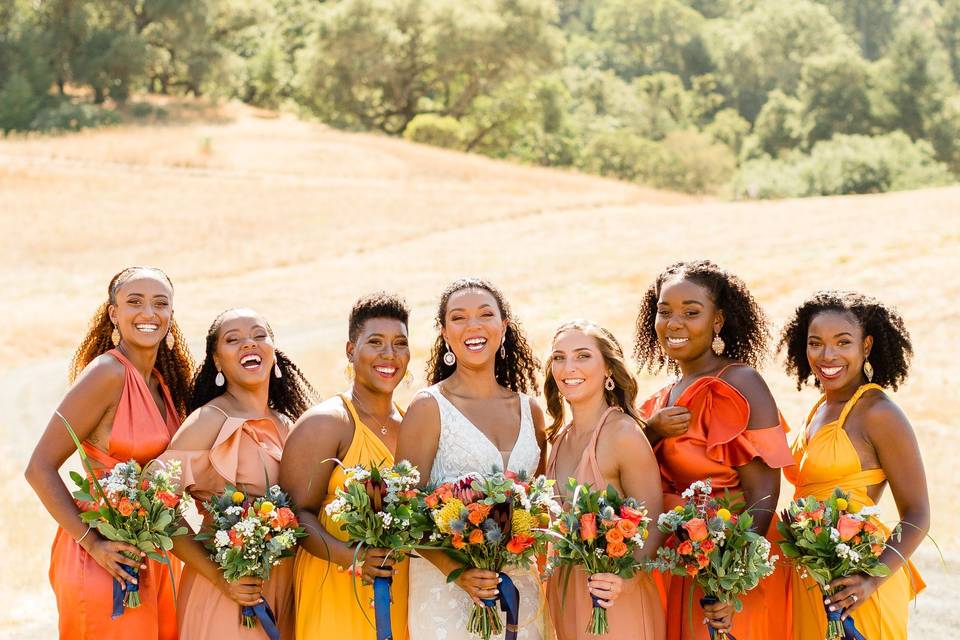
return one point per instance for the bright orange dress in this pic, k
(84, 591)
(825, 462)
(245, 454)
(715, 444)
(638, 613)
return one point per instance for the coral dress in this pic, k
(715, 444)
(326, 595)
(638, 613)
(826, 461)
(246, 453)
(84, 591)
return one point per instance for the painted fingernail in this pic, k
(832, 608)
(826, 601)
(143, 566)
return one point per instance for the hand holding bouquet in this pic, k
(600, 532)
(380, 508)
(711, 541)
(249, 535)
(831, 539)
(490, 522)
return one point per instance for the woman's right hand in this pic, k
(245, 591)
(377, 563)
(110, 555)
(480, 584)
(719, 615)
(670, 422)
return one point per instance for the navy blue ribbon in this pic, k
(850, 631)
(705, 600)
(119, 593)
(381, 607)
(595, 601)
(264, 614)
(509, 599)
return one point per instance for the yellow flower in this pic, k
(544, 519)
(446, 514)
(266, 507)
(237, 497)
(645, 534)
(522, 522)
(724, 514)
(853, 507)
(842, 504)
(678, 508)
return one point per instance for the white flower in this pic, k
(222, 539)
(355, 474)
(638, 540)
(275, 491)
(843, 550)
(386, 518)
(834, 534)
(869, 511)
(336, 506)
(235, 510)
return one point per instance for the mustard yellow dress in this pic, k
(326, 599)
(826, 461)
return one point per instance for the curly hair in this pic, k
(891, 351)
(376, 305)
(624, 394)
(175, 365)
(745, 331)
(517, 371)
(289, 395)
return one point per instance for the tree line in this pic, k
(748, 98)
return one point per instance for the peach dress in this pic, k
(246, 453)
(715, 444)
(638, 613)
(84, 591)
(824, 462)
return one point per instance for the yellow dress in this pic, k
(826, 461)
(326, 599)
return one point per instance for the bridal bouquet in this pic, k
(833, 538)
(491, 522)
(600, 532)
(710, 539)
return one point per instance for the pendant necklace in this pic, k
(383, 427)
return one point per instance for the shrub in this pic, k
(440, 131)
(18, 104)
(68, 116)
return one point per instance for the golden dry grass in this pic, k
(297, 220)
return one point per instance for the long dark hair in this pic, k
(175, 365)
(289, 395)
(516, 371)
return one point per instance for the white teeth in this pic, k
(677, 341)
(830, 371)
(475, 344)
(250, 359)
(387, 371)
(572, 382)
(147, 328)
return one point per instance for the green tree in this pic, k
(18, 104)
(948, 30)
(871, 23)
(835, 94)
(779, 125)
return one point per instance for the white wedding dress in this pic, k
(438, 610)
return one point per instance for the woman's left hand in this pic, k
(853, 591)
(607, 587)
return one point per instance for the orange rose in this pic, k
(697, 529)
(848, 527)
(168, 499)
(702, 560)
(562, 527)
(870, 527)
(458, 542)
(235, 540)
(876, 549)
(817, 530)
(588, 526)
(432, 500)
(692, 570)
(627, 527)
(634, 515)
(816, 515)
(708, 545)
(287, 517)
(616, 549)
(519, 543)
(125, 507)
(685, 548)
(613, 535)
(478, 512)
(476, 537)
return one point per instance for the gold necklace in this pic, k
(362, 407)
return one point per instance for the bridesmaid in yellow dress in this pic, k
(357, 428)
(245, 395)
(858, 439)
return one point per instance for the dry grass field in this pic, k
(297, 220)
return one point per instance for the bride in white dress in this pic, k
(473, 419)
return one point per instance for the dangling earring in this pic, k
(868, 370)
(170, 340)
(407, 379)
(219, 380)
(718, 345)
(277, 373)
(609, 385)
(503, 347)
(115, 336)
(348, 372)
(448, 358)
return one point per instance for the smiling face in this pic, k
(473, 326)
(381, 354)
(836, 349)
(577, 365)
(143, 309)
(687, 319)
(245, 352)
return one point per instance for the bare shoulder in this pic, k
(321, 422)
(423, 406)
(536, 411)
(104, 374)
(752, 386)
(199, 431)
(623, 431)
(880, 416)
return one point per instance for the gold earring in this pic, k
(115, 336)
(348, 372)
(718, 345)
(868, 370)
(170, 340)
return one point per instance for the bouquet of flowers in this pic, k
(831, 539)
(600, 532)
(137, 505)
(247, 536)
(380, 507)
(491, 522)
(711, 541)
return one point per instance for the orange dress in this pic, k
(245, 454)
(824, 462)
(715, 444)
(84, 591)
(638, 613)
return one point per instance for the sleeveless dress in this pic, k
(715, 444)
(326, 596)
(245, 453)
(438, 610)
(84, 591)
(824, 462)
(638, 613)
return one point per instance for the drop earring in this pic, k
(219, 380)
(348, 372)
(868, 370)
(277, 373)
(718, 345)
(170, 340)
(448, 358)
(503, 347)
(115, 336)
(609, 384)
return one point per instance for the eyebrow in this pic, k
(842, 333)
(667, 304)
(483, 306)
